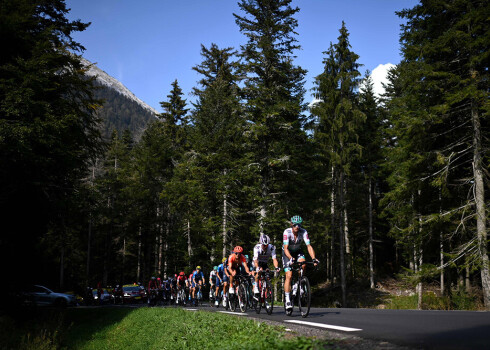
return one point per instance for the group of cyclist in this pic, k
(224, 275)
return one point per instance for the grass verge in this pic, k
(148, 328)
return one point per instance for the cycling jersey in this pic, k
(212, 277)
(234, 261)
(181, 280)
(263, 256)
(197, 276)
(294, 244)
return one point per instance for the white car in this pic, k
(40, 296)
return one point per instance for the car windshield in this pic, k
(131, 289)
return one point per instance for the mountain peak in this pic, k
(111, 82)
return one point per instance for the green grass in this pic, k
(148, 328)
(459, 301)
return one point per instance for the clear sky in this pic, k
(147, 44)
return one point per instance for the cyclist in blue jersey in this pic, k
(197, 278)
(224, 278)
(292, 239)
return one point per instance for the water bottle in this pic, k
(295, 287)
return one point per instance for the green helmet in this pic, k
(296, 220)
(215, 268)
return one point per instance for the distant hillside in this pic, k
(122, 109)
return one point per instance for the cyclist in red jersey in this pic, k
(234, 260)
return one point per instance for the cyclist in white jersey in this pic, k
(262, 252)
(292, 239)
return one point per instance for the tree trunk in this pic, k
(333, 229)
(441, 247)
(342, 237)
(371, 252)
(420, 289)
(479, 195)
(89, 239)
(138, 268)
(189, 242)
(225, 221)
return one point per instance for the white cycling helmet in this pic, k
(264, 239)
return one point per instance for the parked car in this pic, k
(134, 294)
(42, 296)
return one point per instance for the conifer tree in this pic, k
(339, 121)
(217, 137)
(444, 78)
(273, 94)
(48, 129)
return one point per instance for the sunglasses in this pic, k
(297, 225)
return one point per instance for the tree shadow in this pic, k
(34, 327)
(358, 296)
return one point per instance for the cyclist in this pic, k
(190, 286)
(212, 280)
(152, 289)
(223, 278)
(173, 287)
(197, 278)
(292, 238)
(262, 252)
(234, 261)
(181, 282)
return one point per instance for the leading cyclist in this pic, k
(292, 238)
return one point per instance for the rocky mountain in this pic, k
(122, 109)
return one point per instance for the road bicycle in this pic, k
(181, 297)
(239, 298)
(198, 294)
(266, 293)
(300, 290)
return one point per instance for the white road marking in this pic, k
(191, 309)
(322, 325)
(233, 313)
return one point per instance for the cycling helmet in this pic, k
(215, 268)
(198, 268)
(296, 220)
(238, 249)
(153, 278)
(158, 279)
(224, 259)
(175, 275)
(182, 273)
(264, 239)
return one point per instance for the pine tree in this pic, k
(217, 137)
(339, 121)
(273, 94)
(445, 75)
(48, 130)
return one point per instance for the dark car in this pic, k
(134, 293)
(42, 296)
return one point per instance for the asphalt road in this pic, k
(413, 328)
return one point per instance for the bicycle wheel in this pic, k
(269, 298)
(233, 302)
(304, 296)
(242, 297)
(258, 303)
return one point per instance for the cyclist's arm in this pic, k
(275, 262)
(311, 251)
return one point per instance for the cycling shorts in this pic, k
(285, 260)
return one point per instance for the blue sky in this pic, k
(148, 44)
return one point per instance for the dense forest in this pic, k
(120, 113)
(387, 186)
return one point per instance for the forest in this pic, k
(390, 186)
